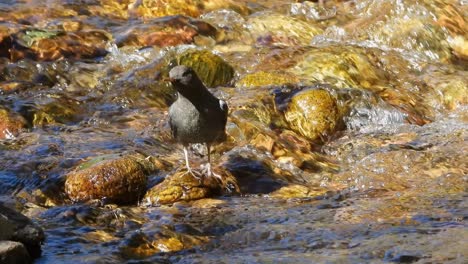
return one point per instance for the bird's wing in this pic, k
(173, 127)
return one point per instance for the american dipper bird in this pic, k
(196, 116)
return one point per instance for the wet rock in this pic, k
(211, 68)
(255, 175)
(402, 256)
(312, 113)
(166, 31)
(60, 110)
(183, 186)
(13, 253)
(450, 89)
(193, 8)
(39, 44)
(262, 78)
(160, 239)
(230, 25)
(120, 180)
(10, 124)
(276, 29)
(298, 191)
(17, 227)
(340, 67)
(403, 26)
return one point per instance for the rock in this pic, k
(115, 179)
(450, 89)
(340, 67)
(400, 27)
(10, 124)
(262, 78)
(193, 8)
(182, 186)
(273, 28)
(166, 31)
(298, 191)
(60, 110)
(211, 68)
(46, 45)
(312, 113)
(17, 227)
(149, 241)
(12, 252)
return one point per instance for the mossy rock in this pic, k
(120, 180)
(312, 113)
(263, 78)
(211, 68)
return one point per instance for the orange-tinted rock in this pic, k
(119, 180)
(163, 32)
(46, 45)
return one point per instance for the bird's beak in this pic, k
(167, 79)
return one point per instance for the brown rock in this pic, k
(120, 180)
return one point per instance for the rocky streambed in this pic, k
(346, 133)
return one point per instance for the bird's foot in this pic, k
(197, 175)
(206, 169)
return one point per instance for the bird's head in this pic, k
(182, 77)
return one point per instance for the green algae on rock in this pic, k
(211, 68)
(312, 113)
(262, 78)
(120, 180)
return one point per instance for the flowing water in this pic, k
(386, 183)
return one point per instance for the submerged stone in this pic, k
(312, 113)
(120, 180)
(342, 67)
(164, 32)
(273, 28)
(10, 124)
(193, 8)
(262, 78)
(143, 244)
(46, 45)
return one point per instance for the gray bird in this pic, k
(196, 116)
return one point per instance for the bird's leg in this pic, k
(187, 164)
(208, 166)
